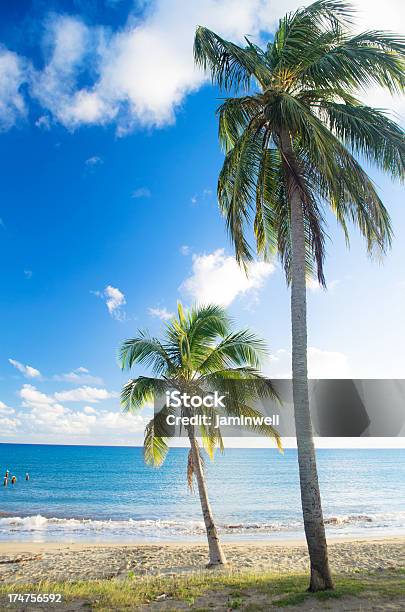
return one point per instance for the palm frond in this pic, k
(231, 67)
(138, 392)
(242, 348)
(155, 447)
(370, 133)
(370, 58)
(236, 190)
(147, 351)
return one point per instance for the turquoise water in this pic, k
(107, 493)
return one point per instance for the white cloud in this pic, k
(72, 50)
(79, 375)
(313, 284)
(146, 70)
(12, 77)
(4, 409)
(42, 418)
(26, 370)
(8, 427)
(84, 394)
(140, 74)
(204, 195)
(217, 278)
(185, 249)
(43, 122)
(327, 364)
(141, 192)
(89, 410)
(321, 364)
(33, 398)
(161, 313)
(95, 160)
(115, 300)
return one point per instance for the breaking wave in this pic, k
(87, 528)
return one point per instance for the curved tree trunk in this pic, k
(216, 554)
(310, 495)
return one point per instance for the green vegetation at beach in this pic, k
(243, 591)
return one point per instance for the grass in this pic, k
(246, 591)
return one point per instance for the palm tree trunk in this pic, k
(310, 495)
(216, 554)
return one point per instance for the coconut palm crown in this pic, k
(300, 127)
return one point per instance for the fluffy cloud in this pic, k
(8, 426)
(72, 50)
(160, 313)
(79, 376)
(32, 397)
(217, 278)
(48, 424)
(321, 364)
(84, 394)
(327, 364)
(26, 370)
(89, 410)
(95, 160)
(43, 419)
(140, 74)
(43, 122)
(313, 284)
(115, 300)
(4, 409)
(12, 77)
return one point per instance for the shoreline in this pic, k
(10, 546)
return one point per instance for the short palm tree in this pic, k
(293, 134)
(199, 352)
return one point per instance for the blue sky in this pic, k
(108, 214)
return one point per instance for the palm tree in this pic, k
(199, 353)
(292, 132)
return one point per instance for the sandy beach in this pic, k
(32, 562)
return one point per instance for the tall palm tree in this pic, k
(292, 132)
(199, 353)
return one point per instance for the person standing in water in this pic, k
(13, 480)
(5, 481)
(27, 476)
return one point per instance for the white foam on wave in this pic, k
(176, 528)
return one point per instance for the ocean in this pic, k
(87, 493)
